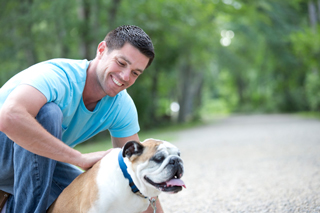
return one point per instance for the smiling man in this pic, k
(52, 106)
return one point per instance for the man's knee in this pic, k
(50, 117)
(50, 111)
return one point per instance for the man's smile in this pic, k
(116, 82)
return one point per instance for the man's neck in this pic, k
(90, 96)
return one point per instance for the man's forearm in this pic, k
(18, 121)
(24, 130)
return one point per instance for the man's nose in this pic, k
(125, 74)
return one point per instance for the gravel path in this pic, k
(257, 163)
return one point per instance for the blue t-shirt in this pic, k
(62, 81)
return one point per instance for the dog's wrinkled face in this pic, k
(154, 166)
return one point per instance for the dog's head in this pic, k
(154, 166)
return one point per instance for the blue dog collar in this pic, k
(123, 168)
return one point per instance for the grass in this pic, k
(94, 146)
(315, 115)
(167, 133)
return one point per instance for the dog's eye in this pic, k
(158, 159)
(179, 154)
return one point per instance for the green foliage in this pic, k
(312, 90)
(271, 64)
(306, 46)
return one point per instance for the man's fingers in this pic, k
(92, 158)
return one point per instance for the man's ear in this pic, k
(102, 47)
(132, 149)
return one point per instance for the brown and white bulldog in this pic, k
(125, 179)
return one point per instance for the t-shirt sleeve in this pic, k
(126, 122)
(49, 80)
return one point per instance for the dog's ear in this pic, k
(131, 149)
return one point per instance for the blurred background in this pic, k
(212, 56)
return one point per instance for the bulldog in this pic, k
(125, 179)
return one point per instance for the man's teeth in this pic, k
(116, 82)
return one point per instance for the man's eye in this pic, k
(120, 63)
(136, 73)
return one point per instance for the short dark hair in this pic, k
(133, 35)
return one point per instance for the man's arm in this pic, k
(120, 142)
(17, 121)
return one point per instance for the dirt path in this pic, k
(258, 163)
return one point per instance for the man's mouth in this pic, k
(173, 185)
(116, 82)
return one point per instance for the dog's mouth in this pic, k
(173, 185)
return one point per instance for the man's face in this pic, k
(119, 69)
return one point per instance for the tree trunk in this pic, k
(240, 88)
(313, 17)
(184, 93)
(190, 93)
(198, 96)
(61, 30)
(96, 37)
(113, 13)
(154, 94)
(319, 10)
(84, 15)
(28, 44)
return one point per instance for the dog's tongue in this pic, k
(176, 182)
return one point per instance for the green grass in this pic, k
(168, 133)
(94, 146)
(315, 115)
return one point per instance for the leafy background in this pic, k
(212, 56)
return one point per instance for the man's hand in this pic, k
(88, 160)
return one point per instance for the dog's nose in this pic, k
(172, 161)
(175, 161)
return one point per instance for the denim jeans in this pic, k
(34, 181)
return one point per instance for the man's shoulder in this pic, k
(68, 64)
(124, 96)
(74, 70)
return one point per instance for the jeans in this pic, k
(34, 181)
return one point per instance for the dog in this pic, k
(125, 179)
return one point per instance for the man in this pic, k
(54, 105)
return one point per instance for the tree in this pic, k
(270, 65)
